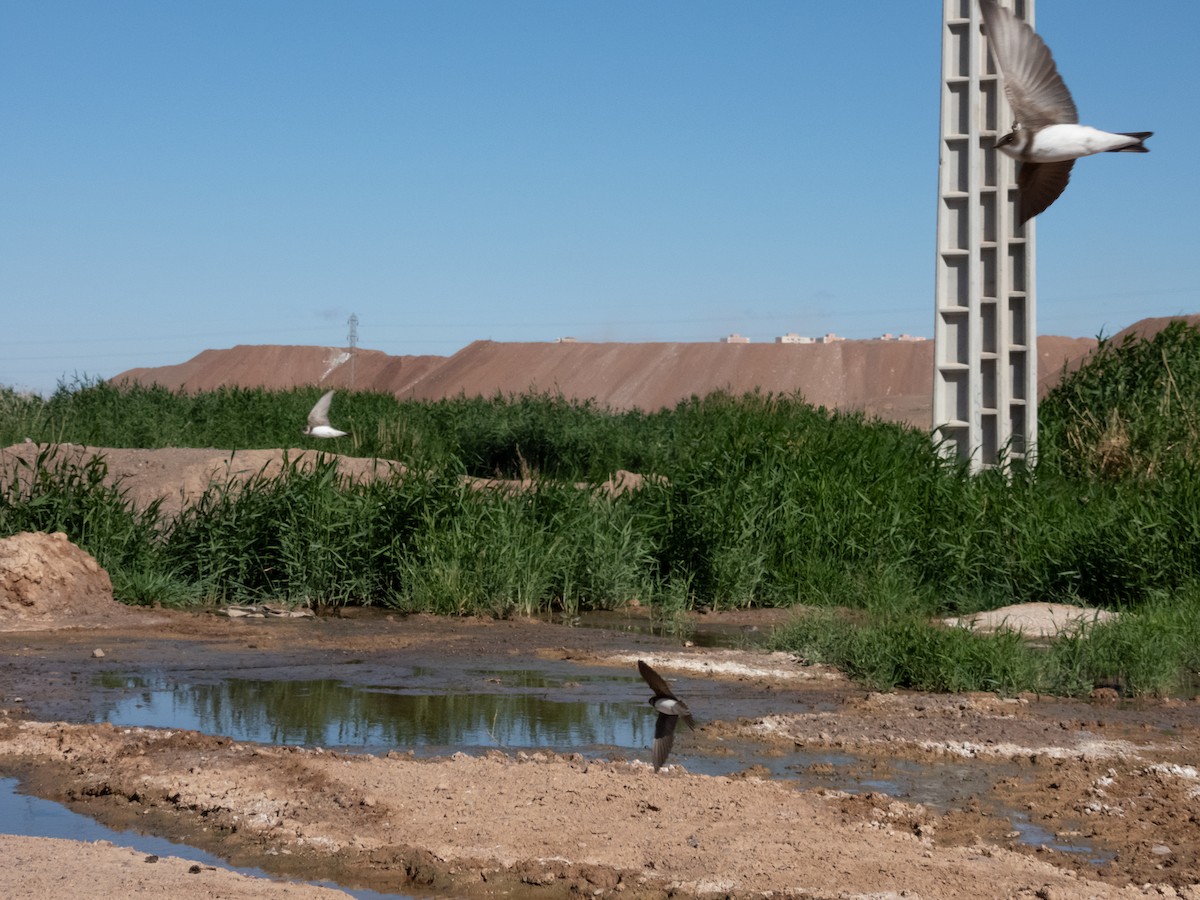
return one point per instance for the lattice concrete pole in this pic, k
(985, 377)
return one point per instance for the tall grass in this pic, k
(502, 436)
(909, 651)
(300, 536)
(1153, 650)
(421, 543)
(1147, 651)
(754, 500)
(1131, 413)
(56, 493)
(749, 501)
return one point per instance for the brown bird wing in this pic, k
(664, 737)
(655, 681)
(1036, 92)
(1040, 184)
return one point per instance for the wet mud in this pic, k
(449, 757)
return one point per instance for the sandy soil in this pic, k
(1120, 779)
(36, 868)
(550, 825)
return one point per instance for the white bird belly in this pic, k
(1056, 143)
(669, 707)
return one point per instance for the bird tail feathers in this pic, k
(1134, 148)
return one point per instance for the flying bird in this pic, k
(318, 419)
(670, 710)
(1046, 137)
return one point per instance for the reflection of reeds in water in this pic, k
(330, 713)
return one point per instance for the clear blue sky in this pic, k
(181, 175)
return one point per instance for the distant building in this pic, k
(792, 338)
(735, 338)
(565, 340)
(829, 338)
(911, 337)
(887, 336)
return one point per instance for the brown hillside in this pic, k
(279, 367)
(1146, 328)
(889, 379)
(1149, 327)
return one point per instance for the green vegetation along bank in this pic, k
(747, 501)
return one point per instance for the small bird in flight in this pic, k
(670, 710)
(1046, 138)
(318, 419)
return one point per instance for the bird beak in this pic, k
(1007, 139)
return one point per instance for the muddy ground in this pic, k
(1117, 779)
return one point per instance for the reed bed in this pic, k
(757, 500)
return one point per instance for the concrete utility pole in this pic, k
(985, 325)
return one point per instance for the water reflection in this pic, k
(28, 816)
(432, 713)
(331, 713)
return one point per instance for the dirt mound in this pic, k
(889, 379)
(178, 476)
(1149, 327)
(281, 367)
(1077, 356)
(1058, 356)
(45, 576)
(884, 378)
(1039, 620)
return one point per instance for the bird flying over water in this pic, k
(1046, 137)
(318, 419)
(670, 710)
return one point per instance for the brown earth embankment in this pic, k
(889, 379)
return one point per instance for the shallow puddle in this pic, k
(432, 713)
(1036, 836)
(28, 816)
(518, 714)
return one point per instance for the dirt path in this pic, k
(1122, 780)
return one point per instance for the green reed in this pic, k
(754, 500)
(57, 493)
(1152, 650)
(909, 651)
(749, 501)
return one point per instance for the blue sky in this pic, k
(182, 175)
